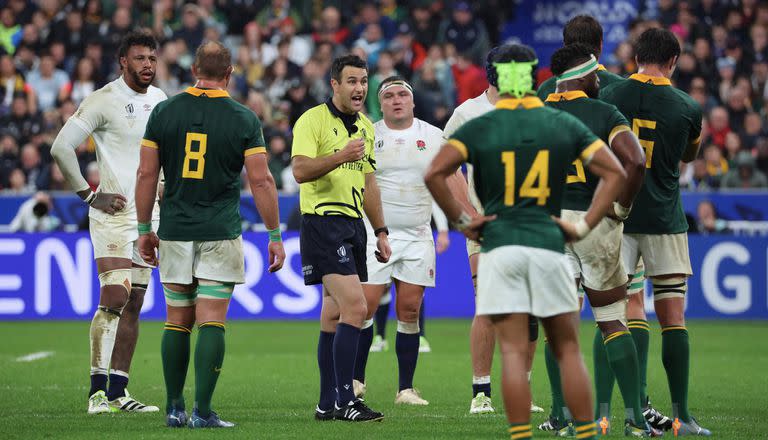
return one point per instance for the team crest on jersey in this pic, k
(421, 145)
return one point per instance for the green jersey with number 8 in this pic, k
(203, 137)
(666, 121)
(521, 153)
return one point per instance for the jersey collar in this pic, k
(600, 67)
(346, 119)
(527, 103)
(566, 96)
(647, 79)
(209, 93)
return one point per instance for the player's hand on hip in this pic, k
(443, 241)
(568, 229)
(383, 251)
(147, 245)
(354, 150)
(109, 202)
(475, 227)
(276, 256)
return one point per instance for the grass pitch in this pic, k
(269, 385)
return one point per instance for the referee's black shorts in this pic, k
(332, 244)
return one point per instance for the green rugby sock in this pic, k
(556, 387)
(209, 356)
(675, 354)
(603, 377)
(641, 335)
(174, 350)
(586, 430)
(622, 355)
(519, 431)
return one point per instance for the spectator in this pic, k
(315, 78)
(329, 27)
(84, 80)
(432, 102)
(718, 126)
(35, 171)
(192, 27)
(34, 215)
(726, 69)
(12, 84)
(72, 33)
(22, 10)
(469, 78)
(753, 130)
(300, 99)
(465, 33)
(424, 25)
(708, 222)
(716, 165)
(390, 8)
(56, 181)
(701, 180)
(17, 182)
(9, 159)
(279, 158)
(113, 32)
(686, 70)
(49, 83)
(384, 69)
(701, 95)
(738, 105)
(732, 147)
(10, 31)
(744, 175)
(368, 15)
(372, 42)
(21, 123)
(298, 47)
(414, 53)
(704, 61)
(269, 18)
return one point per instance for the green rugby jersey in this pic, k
(667, 121)
(203, 137)
(606, 121)
(606, 78)
(521, 153)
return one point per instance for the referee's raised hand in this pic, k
(353, 151)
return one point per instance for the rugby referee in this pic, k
(333, 161)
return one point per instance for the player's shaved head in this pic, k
(586, 30)
(213, 61)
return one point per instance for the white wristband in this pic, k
(463, 221)
(582, 228)
(620, 211)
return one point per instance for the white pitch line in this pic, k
(34, 356)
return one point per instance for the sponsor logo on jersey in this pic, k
(399, 141)
(130, 117)
(364, 133)
(129, 108)
(147, 107)
(342, 252)
(421, 145)
(379, 144)
(335, 131)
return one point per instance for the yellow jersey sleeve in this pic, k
(306, 136)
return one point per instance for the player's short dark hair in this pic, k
(586, 30)
(656, 46)
(569, 56)
(136, 38)
(390, 79)
(346, 60)
(213, 60)
(504, 54)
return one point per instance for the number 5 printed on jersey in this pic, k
(637, 124)
(198, 156)
(536, 182)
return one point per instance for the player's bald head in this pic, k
(213, 61)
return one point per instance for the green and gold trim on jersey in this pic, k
(459, 145)
(566, 96)
(208, 93)
(149, 144)
(601, 67)
(528, 102)
(616, 130)
(647, 79)
(255, 150)
(586, 155)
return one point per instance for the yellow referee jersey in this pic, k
(321, 132)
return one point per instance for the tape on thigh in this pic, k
(117, 277)
(140, 277)
(674, 287)
(215, 290)
(179, 299)
(612, 312)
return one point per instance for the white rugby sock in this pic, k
(103, 333)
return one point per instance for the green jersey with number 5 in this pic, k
(667, 121)
(203, 137)
(521, 153)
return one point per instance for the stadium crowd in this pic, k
(54, 53)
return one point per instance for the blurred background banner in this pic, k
(732, 206)
(540, 23)
(53, 276)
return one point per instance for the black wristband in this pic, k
(378, 231)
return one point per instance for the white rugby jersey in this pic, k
(402, 158)
(116, 116)
(468, 110)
